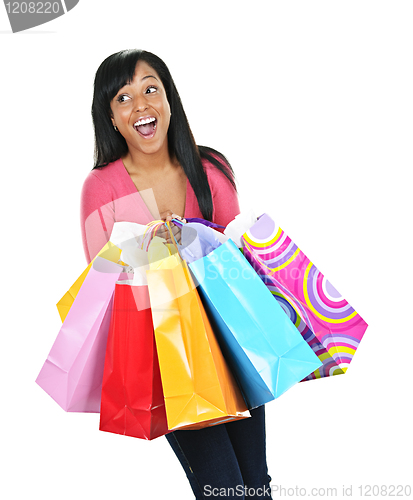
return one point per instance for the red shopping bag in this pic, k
(132, 401)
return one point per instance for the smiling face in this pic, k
(141, 112)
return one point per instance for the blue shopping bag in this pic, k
(265, 351)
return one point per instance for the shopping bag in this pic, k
(265, 350)
(199, 389)
(121, 248)
(72, 373)
(132, 396)
(328, 323)
(109, 252)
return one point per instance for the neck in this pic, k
(137, 162)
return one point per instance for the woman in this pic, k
(148, 167)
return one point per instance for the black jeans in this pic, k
(226, 461)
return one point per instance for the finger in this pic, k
(167, 232)
(178, 237)
(167, 215)
(173, 227)
(162, 232)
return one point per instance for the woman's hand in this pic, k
(163, 232)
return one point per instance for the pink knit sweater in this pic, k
(109, 195)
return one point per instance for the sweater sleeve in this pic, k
(97, 215)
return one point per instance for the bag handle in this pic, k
(153, 227)
(151, 230)
(173, 239)
(199, 221)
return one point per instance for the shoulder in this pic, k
(105, 174)
(215, 163)
(211, 157)
(103, 179)
(217, 168)
(100, 187)
(222, 184)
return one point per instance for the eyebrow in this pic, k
(149, 76)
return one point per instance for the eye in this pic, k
(123, 98)
(151, 89)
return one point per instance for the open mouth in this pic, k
(146, 127)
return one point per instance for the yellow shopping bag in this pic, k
(199, 389)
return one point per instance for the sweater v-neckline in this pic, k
(133, 186)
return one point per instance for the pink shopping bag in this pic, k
(73, 371)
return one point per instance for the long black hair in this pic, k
(117, 71)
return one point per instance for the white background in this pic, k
(311, 101)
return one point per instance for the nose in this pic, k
(140, 104)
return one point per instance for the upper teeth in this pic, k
(144, 121)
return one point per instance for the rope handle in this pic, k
(168, 225)
(153, 227)
(151, 230)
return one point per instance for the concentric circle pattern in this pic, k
(333, 329)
